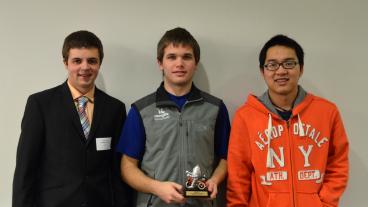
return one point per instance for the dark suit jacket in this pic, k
(56, 166)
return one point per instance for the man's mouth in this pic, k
(281, 80)
(179, 73)
(84, 75)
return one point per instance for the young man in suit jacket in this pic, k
(65, 155)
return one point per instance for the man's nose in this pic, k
(85, 65)
(281, 70)
(179, 62)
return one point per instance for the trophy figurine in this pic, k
(195, 186)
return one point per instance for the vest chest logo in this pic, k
(162, 115)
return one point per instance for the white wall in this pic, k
(231, 33)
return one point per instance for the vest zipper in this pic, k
(182, 158)
(184, 136)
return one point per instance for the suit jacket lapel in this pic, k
(71, 109)
(98, 111)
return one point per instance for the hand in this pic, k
(169, 192)
(212, 188)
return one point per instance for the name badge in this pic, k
(103, 143)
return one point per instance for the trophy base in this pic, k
(196, 194)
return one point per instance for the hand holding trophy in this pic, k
(195, 185)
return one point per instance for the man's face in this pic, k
(83, 65)
(178, 65)
(282, 81)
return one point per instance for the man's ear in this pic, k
(196, 66)
(65, 63)
(301, 70)
(159, 63)
(261, 71)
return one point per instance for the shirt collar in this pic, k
(76, 94)
(162, 97)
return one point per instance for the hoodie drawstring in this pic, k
(269, 132)
(300, 125)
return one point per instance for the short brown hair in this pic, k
(178, 36)
(80, 39)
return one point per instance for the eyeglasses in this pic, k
(273, 66)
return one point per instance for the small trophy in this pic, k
(195, 186)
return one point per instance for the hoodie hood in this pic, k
(263, 103)
(266, 101)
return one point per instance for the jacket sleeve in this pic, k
(123, 194)
(239, 164)
(28, 155)
(337, 169)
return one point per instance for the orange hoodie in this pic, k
(302, 162)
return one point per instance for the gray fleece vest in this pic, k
(177, 140)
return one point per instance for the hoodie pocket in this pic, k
(278, 200)
(308, 199)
